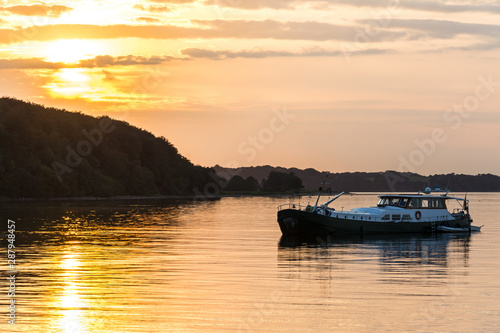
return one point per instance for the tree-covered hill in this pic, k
(47, 152)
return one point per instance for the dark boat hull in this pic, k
(292, 221)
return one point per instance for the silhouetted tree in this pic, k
(237, 183)
(282, 182)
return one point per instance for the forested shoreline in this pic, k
(50, 153)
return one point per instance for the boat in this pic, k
(423, 212)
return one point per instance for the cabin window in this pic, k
(406, 217)
(386, 217)
(396, 217)
(437, 203)
(432, 203)
(403, 202)
(383, 202)
(394, 201)
(414, 203)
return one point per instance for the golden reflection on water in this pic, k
(71, 304)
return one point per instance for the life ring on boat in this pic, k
(418, 215)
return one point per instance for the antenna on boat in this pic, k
(319, 194)
(321, 189)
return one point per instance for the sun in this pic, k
(70, 50)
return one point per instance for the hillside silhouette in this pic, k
(48, 152)
(388, 181)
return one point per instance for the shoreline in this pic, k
(117, 198)
(187, 197)
(161, 197)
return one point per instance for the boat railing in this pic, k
(443, 218)
(291, 206)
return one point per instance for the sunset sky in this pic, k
(336, 85)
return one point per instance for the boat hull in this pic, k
(292, 221)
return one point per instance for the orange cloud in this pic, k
(146, 19)
(258, 53)
(33, 63)
(208, 29)
(37, 10)
(97, 62)
(153, 8)
(441, 6)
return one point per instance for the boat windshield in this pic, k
(393, 201)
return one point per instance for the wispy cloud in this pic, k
(429, 6)
(175, 2)
(37, 10)
(105, 61)
(208, 29)
(89, 31)
(96, 62)
(33, 63)
(243, 29)
(129, 60)
(444, 29)
(146, 19)
(153, 8)
(257, 53)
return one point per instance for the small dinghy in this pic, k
(473, 228)
(443, 228)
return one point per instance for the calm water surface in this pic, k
(222, 266)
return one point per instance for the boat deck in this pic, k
(396, 215)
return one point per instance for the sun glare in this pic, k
(75, 75)
(71, 50)
(69, 82)
(84, 83)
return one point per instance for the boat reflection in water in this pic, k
(418, 282)
(397, 252)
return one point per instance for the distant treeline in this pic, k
(275, 182)
(388, 181)
(47, 152)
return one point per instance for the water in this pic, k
(221, 266)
